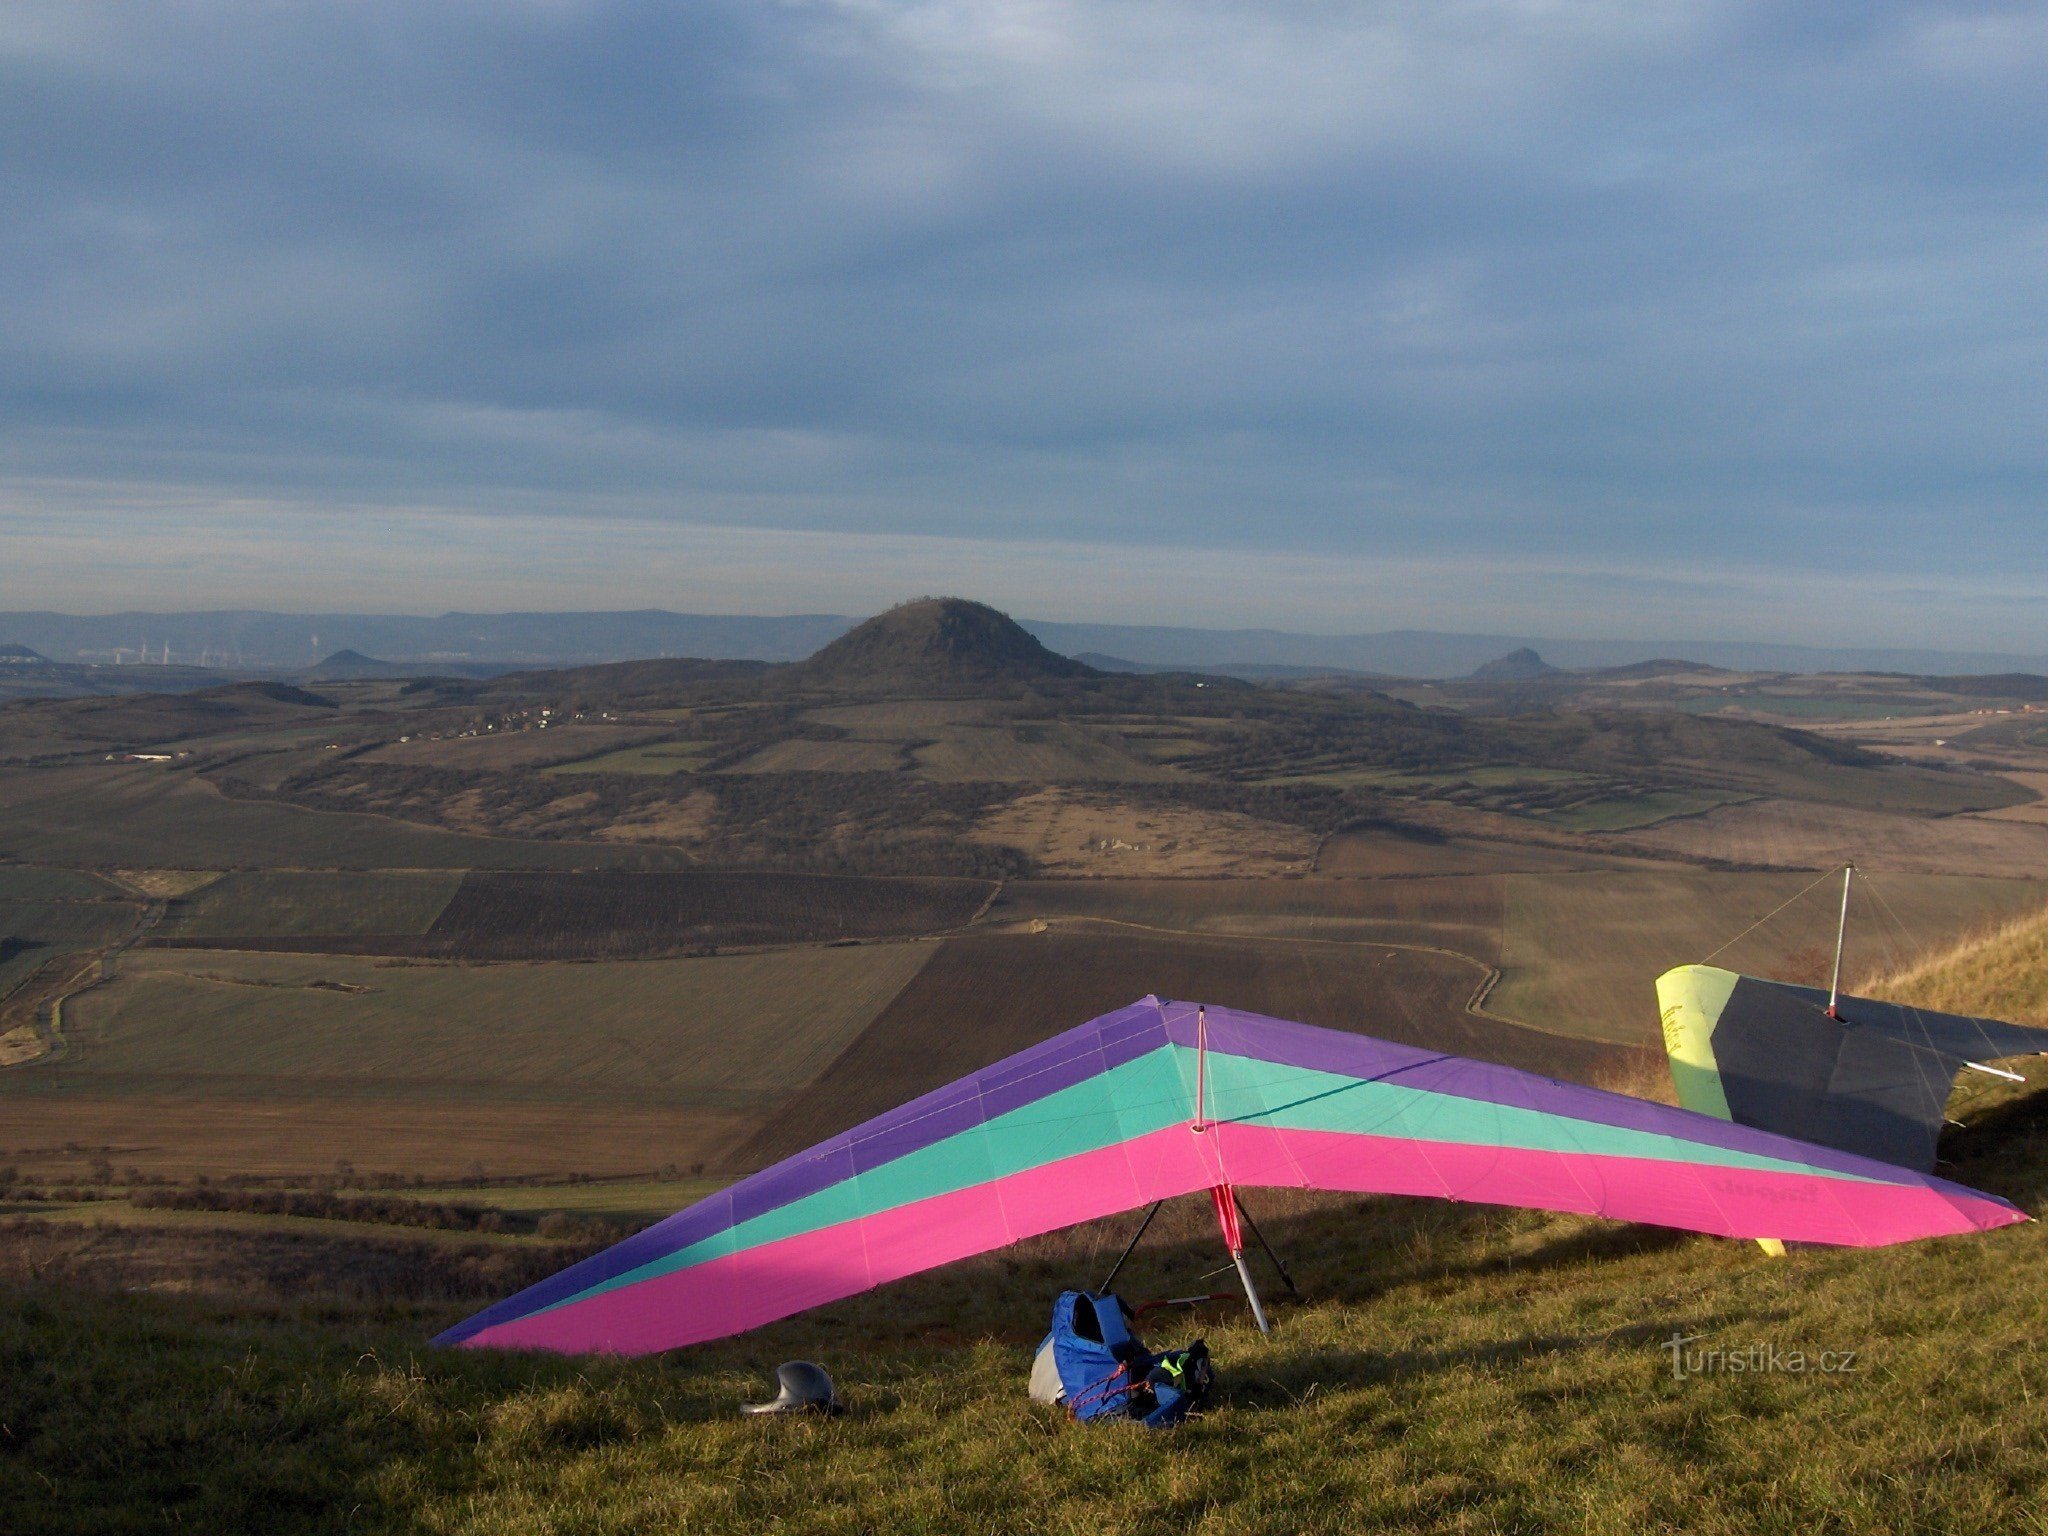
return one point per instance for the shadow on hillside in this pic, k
(1342, 1251)
(2002, 1148)
(336, 1295)
(1285, 1382)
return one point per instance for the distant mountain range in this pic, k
(254, 641)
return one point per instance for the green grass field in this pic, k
(288, 902)
(658, 758)
(99, 1215)
(33, 882)
(222, 1063)
(713, 1030)
(636, 1200)
(1913, 791)
(35, 931)
(1033, 752)
(802, 755)
(1644, 810)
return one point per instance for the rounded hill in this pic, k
(349, 666)
(941, 644)
(1515, 666)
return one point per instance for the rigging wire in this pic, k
(1752, 928)
(1897, 939)
(1976, 1091)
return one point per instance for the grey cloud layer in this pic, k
(1675, 286)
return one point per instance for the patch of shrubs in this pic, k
(386, 1210)
(563, 1227)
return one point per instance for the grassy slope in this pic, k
(2004, 972)
(1580, 953)
(1459, 1369)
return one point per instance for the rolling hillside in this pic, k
(942, 738)
(1453, 1368)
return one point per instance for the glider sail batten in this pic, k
(1097, 1121)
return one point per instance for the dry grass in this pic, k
(1460, 912)
(1581, 953)
(499, 751)
(1069, 832)
(2034, 811)
(20, 1043)
(188, 1134)
(1797, 834)
(123, 816)
(1389, 852)
(165, 884)
(2002, 972)
(501, 915)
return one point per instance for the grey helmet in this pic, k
(804, 1388)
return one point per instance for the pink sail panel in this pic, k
(1102, 1120)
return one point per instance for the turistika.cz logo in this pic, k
(1763, 1359)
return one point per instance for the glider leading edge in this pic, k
(1161, 1099)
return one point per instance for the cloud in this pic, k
(1702, 291)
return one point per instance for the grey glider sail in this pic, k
(1873, 1078)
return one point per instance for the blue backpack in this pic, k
(1092, 1362)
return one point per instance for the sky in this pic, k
(1593, 319)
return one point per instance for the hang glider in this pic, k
(1166, 1098)
(1846, 1072)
